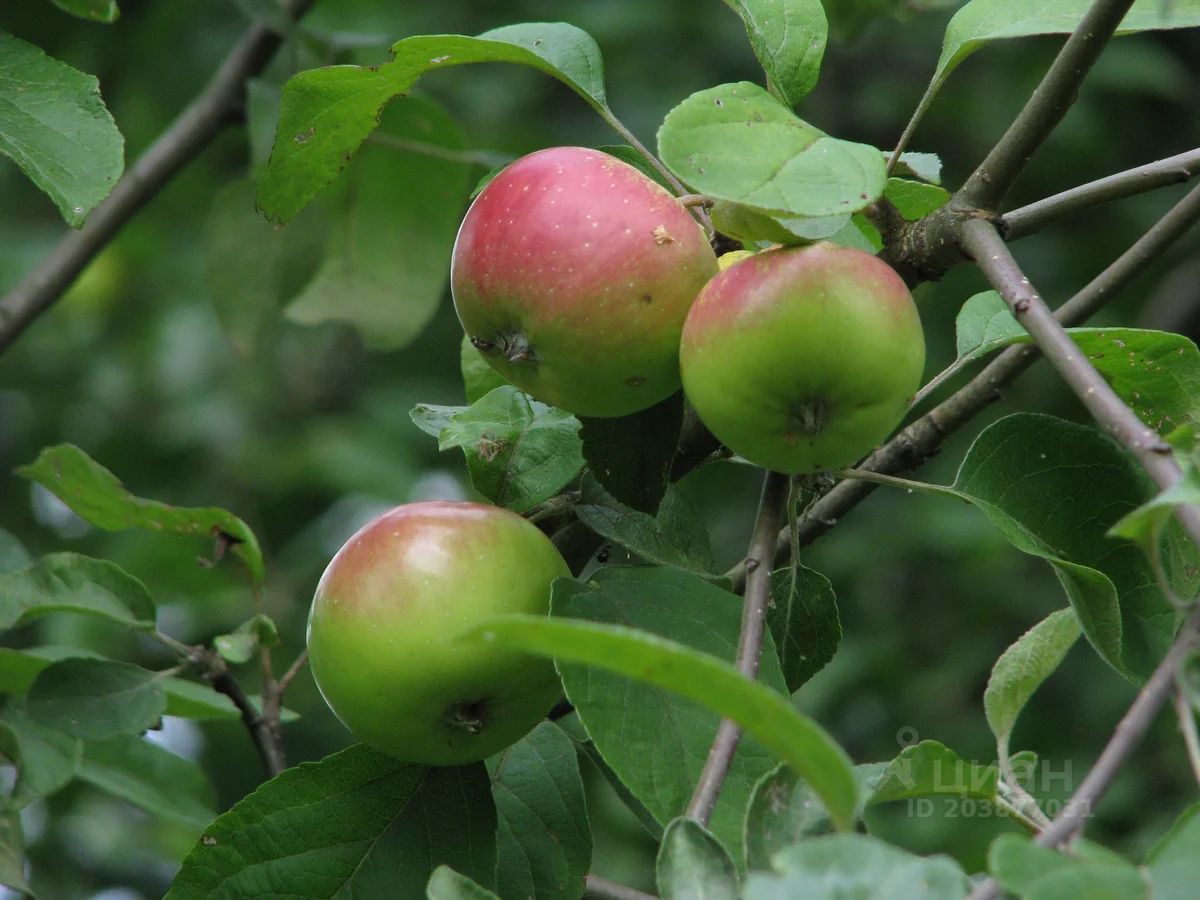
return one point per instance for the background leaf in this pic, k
(631, 455)
(446, 884)
(386, 264)
(96, 698)
(54, 125)
(46, 758)
(12, 854)
(674, 537)
(844, 865)
(67, 582)
(150, 777)
(105, 11)
(357, 821)
(692, 865)
(982, 21)
(96, 495)
(544, 838)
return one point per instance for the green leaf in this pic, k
(736, 142)
(1156, 372)
(544, 838)
(187, 699)
(631, 456)
(1053, 488)
(67, 582)
(239, 646)
(855, 865)
(914, 199)
(931, 769)
(803, 619)
(149, 777)
(983, 21)
(479, 378)
(761, 711)
(96, 698)
(12, 554)
(750, 226)
(1173, 864)
(984, 324)
(356, 823)
(385, 267)
(1023, 667)
(784, 809)
(1041, 873)
(692, 865)
(244, 263)
(925, 166)
(105, 11)
(519, 451)
(789, 40)
(1145, 524)
(96, 495)
(12, 854)
(54, 125)
(654, 741)
(46, 758)
(674, 537)
(446, 884)
(325, 114)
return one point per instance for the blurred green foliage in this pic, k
(307, 434)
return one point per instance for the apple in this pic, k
(572, 273)
(382, 629)
(803, 358)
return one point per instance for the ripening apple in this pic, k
(572, 273)
(381, 633)
(804, 358)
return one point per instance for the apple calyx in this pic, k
(513, 346)
(467, 715)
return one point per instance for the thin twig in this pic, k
(293, 670)
(265, 737)
(176, 147)
(754, 616)
(988, 184)
(695, 200)
(1026, 220)
(1128, 734)
(1187, 724)
(597, 888)
(923, 437)
(983, 243)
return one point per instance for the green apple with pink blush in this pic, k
(382, 632)
(803, 359)
(573, 273)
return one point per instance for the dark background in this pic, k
(309, 435)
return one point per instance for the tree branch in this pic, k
(1033, 217)
(754, 616)
(1128, 734)
(989, 183)
(266, 736)
(923, 437)
(983, 242)
(174, 148)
